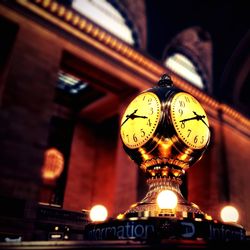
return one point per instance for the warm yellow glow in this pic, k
(98, 213)
(229, 214)
(167, 199)
(208, 217)
(120, 216)
(53, 164)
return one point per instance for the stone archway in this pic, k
(195, 43)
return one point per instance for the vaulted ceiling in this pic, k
(227, 23)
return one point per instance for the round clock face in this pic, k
(189, 120)
(140, 120)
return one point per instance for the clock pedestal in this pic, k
(148, 206)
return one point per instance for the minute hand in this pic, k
(204, 122)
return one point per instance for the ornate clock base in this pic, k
(146, 221)
(148, 207)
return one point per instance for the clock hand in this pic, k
(188, 119)
(137, 116)
(200, 117)
(196, 117)
(132, 113)
(204, 122)
(129, 116)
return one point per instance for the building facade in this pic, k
(64, 84)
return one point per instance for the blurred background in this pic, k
(68, 69)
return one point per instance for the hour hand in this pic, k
(200, 117)
(133, 116)
(129, 116)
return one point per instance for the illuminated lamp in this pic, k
(167, 199)
(98, 213)
(53, 164)
(229, 214)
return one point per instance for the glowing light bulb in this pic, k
(229, 214)
(167, 199)
(98, 213)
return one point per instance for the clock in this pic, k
(189, 120)
(164, 129)
(140, 120)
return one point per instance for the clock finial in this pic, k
(165, 81)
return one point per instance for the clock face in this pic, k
(140, 120)
(189, 120)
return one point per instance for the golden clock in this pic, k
(140, 120)
(164, 130)
(189, 120)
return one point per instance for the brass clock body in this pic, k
(164, 130)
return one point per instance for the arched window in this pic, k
(106, 16)
(189, 54)
(183, 66)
